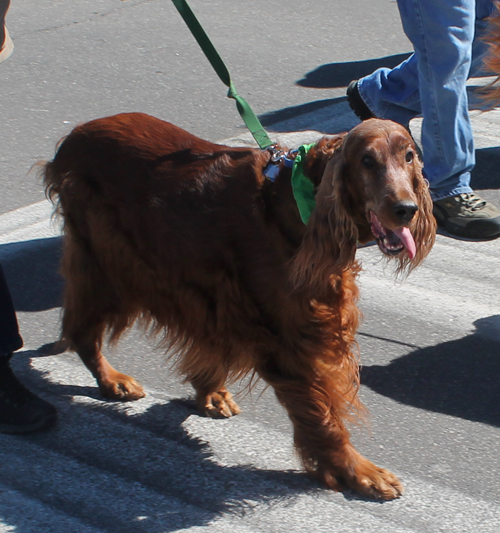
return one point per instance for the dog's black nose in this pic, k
(405, 211)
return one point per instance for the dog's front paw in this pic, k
(376, 482)
(218, 404)
(122, 388)
(362, 476)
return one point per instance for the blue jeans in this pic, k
(432, 83)
(10, 340)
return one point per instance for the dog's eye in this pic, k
(409, 156)
(368, 161)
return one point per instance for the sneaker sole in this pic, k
(463, 235)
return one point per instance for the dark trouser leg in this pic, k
(20, 410)
(10, 340)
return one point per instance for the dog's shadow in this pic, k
(460, 378)
(151, 450)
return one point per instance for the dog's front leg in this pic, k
(322, 439)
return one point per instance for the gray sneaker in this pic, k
(468, 216)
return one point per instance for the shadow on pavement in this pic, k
(460, 378)
(337, 75)
(272, 119)
(485, 174)
(152, 451)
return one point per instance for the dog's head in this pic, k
(379, 182)
(372, 188)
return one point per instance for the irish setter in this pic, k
(191, 239)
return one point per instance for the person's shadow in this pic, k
(460, 378)
(337, 75)
(485, 173)
(32, 272)
(330, 76)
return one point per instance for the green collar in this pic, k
(303, 187)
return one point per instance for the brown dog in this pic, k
(191, 239)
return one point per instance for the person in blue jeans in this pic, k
(21, 411)
(446, 37)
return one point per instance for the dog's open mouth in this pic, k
(392, 242)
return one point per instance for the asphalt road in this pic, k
(430, 345)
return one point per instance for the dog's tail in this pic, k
(52, 181)
(52, 178)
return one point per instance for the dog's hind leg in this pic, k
(89, 308)
(216, 404)
(212, 397)
(86, 341)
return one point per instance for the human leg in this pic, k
(10, 339)
(394, 94)
(445, 60)
(443, 55)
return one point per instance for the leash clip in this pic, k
(278, 156)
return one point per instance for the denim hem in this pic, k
(366, 100)
(440, 195)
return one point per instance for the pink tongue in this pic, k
(406, 238)
(377, 225)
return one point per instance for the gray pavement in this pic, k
(430, 345)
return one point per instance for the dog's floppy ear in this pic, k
(424, 231)
(319, 155)
(329, 243)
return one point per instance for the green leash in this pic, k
(248, 116)
(303, 188)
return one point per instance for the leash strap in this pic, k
(248, 116)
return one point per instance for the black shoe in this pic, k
(468, 216)
(21, 411)
(356, 103)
